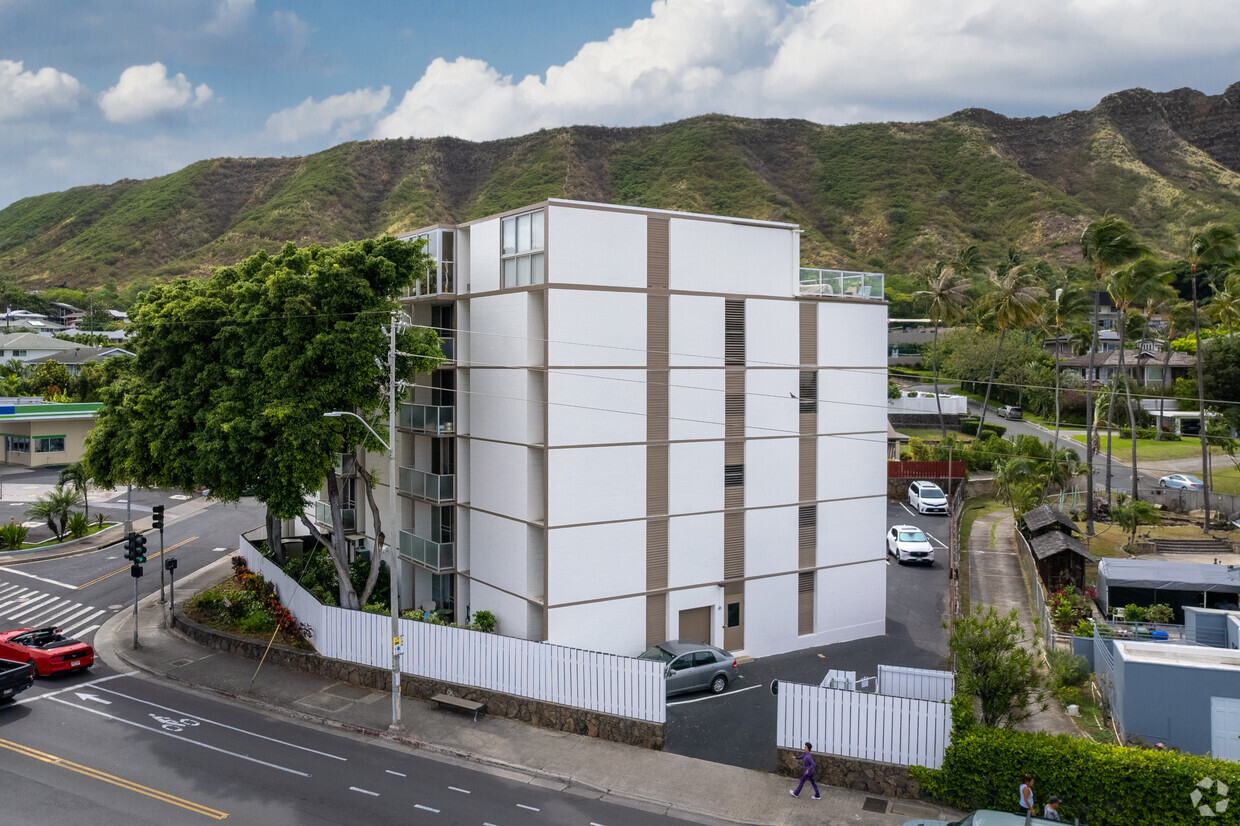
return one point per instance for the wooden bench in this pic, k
(459, 703)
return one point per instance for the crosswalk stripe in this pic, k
(71, 630)
(18, 600)
(6, 589)
(31, 608)
(72, 617)
(51, 612)
(85, 631)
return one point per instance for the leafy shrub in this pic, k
(257, 622)
(1067, 669)
(969, 428)
(1084, 628)
(485, 621)
(208, 602)
(78, 525)
(1160, 613)
(1102, 785)
(1134, 613)
(376, 608)
(12, 535)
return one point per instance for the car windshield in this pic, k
(912, 536)
(928, 491)
(659, 655)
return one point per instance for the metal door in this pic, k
(1225, 727)
(695, 625)
(734, 625)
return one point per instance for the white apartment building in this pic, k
(652, 425)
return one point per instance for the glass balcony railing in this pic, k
(840, 282)
(427, 418)
(432, 487)
(323, 513)
(439, 280)
(436, 556)
(448, 345)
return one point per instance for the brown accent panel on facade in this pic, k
(733, 545)
(807, 470)
(734, 332)
(657, 253)
(656, 618)
(807, 536)
(809, 332)
(805, 603)
(657, 413)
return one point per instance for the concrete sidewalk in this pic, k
(653, 781)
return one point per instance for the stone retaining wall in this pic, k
(886, 779)
(533, 712)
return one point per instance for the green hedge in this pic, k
(969, 428)
(1100, 784)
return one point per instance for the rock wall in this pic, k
(533, 712)
(885, 779)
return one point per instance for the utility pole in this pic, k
(393, 556)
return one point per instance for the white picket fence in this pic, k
(916, 683)
(874, 727)
(608, 683)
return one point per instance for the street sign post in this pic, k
(171, 566)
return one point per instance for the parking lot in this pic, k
(738, 726)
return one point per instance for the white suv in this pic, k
(927, 497)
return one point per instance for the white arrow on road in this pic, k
(92, 698)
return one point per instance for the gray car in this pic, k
(693, 666)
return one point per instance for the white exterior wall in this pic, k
(771, 541)
(771, 404)
(853, 334)
(771, 615)
(847, 401)
(501, 329)
(846, 531)
(695, 404)
(719, 257)
(483, 257)
(511, 614)
(695, 331)
(695, 477)
(593, 328)
(601, 626)
(497, 405)
(597, 408)
(852, 466)
(851, 602)
(596, 484)
(771, 472)
(596, 561)
(769, 333)
(499, 553)
(597, 247)
(695, 550)
(500, 479)
(708, 596)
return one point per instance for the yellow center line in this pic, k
(128, 785)
(122, 570)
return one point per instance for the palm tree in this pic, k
(945, 291)
(1224, 307)
(1014, 303)
(1133, 513)
(1106, 244)
(55, 507)
(1066, 305)
(76, 476)
(1060, 469)
(1144, 280)
(1212, 246)
(1179, 318)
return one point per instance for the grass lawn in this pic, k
(1110, 538)
(1149, 450)
(94, 529)
(1226, 480)
(932, 434)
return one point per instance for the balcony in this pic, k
(438, 420)
(448, 345)
(323, 514)
(435, 556)
(839, 282)
(430, 487)
(439, 281)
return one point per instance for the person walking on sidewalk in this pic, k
(1051, 812)
(807, 773)
(1026, 795)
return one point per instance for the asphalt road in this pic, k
(107, 748)
(736, 727)
(79, 593)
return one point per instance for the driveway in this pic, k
(738, 726)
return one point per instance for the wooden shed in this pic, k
(1059, 556)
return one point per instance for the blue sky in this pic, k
(92, 91)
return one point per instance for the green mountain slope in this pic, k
(888, 195)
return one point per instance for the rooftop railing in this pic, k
(842, 282)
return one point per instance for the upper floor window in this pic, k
(522, 252)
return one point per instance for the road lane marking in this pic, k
(76, 628)
(51, 611)
(363, 791)
(93, 698)
(179, 713)
(179, 737)
(907, 508)
(531, 808)
(714, 696)
(129, 785)
(25, 610)
(49, 694)
(398, 774)
(429, 809)
(40, 578)
(149, 557)
(935, 538)
(462, 791)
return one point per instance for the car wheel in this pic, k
(33, 667)
(718, 684)
(1162, 483)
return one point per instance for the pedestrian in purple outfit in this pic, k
(807, 762)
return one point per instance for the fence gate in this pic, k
(916, 683)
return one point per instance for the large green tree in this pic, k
(1014, 303)
(946, 297)
(1106, 245)
(1067, 304)
(233, 374)
(995, 664)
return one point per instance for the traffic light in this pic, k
(139, 552)
(131, 545)
(135, 571)
(157, 517)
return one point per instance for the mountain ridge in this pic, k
(879, 195)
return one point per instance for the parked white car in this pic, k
(907, 543)
(927, 497)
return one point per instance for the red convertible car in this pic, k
(49, 651)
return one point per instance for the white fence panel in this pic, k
(916, 683)
(623, 686)
(876, 727)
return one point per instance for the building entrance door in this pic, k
(695, 625)
(1225, 727)
(733, 622)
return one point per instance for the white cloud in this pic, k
(146, 91)
(832, 61)
(290, 27)
(230, 16)
(25, 94)
(346, 115)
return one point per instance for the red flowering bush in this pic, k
(265, 594)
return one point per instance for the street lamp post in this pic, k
(391, 449)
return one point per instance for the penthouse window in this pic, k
(522, 252)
